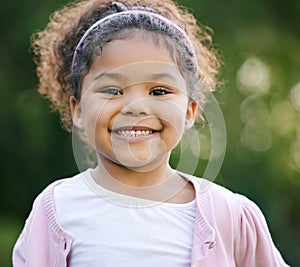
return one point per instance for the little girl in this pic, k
(130, 76)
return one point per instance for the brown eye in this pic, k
(111, 91)
(160, 91)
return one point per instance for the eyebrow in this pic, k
(112, 75)
(159, 76)
(151, 77)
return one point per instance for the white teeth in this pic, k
(133, 133)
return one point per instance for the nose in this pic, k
(137, 103)
(136, 108)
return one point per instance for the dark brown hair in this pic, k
(54, 47)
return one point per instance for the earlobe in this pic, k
(191, 114)
(76, 112)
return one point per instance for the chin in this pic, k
(143, 165)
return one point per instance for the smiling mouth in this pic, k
(134, 133)
(127, 132)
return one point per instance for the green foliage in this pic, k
(261, 50)
(9, 231)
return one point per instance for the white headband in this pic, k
(135, 12)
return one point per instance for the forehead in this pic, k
(136, 48)
(135, 58)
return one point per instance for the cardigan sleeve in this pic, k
(18, 256)
(42, 242)
(253, 245)
(32, 246)
(19, 251)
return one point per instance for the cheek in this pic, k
(96, 114)
(173, 114)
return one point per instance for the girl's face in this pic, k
(134, 106)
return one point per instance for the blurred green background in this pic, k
(260, 99)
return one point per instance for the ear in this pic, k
(191, 114)
(76, 112)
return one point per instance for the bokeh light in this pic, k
(254, 76)
(283, 118)
(295, 154)
(295, 96)
(256, 134)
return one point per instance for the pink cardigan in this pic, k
(230, 230)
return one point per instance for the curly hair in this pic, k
(54, 47)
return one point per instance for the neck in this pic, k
(135, 177)
(160, 183)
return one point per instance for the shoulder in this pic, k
(44, 202)
(210, 192)
(223, 207)
(61, 184)
(43, 212)
(217, 200)
(42, 232)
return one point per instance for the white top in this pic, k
(112, 229)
